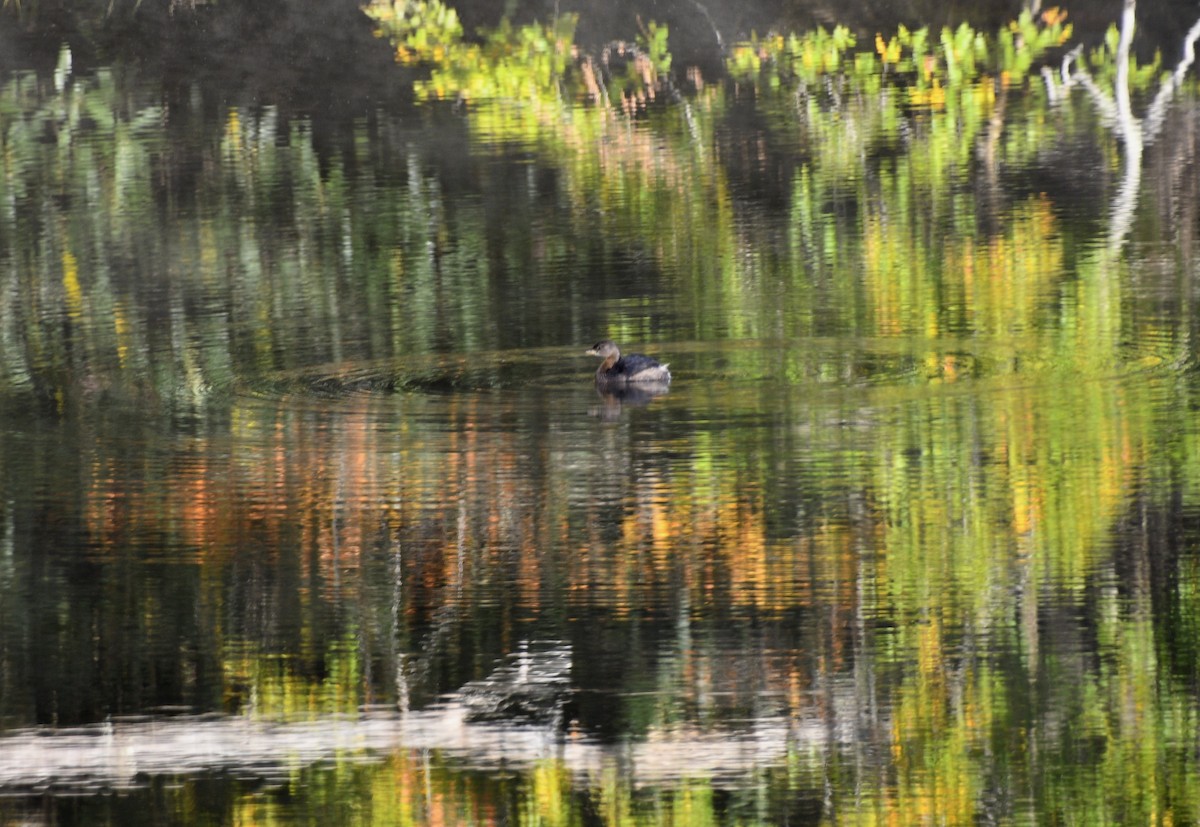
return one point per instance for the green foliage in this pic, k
(524, 63)
(1102, 61)
(954, 57)
(536, 65)
(805, 57)
(421, 29)
(653, 42)
(1025, 41)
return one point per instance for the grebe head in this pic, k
(604, 349)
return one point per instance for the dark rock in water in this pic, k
(532, 685)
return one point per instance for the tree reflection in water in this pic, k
(297, 454)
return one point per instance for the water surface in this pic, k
(311, 512)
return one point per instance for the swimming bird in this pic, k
(617, 370)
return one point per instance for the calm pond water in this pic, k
(311, 512)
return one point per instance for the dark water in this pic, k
(310, 511)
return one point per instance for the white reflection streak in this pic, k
(403, 701)
(1119, 112)
(1131, 137)
(1157, 111)
(123, 755)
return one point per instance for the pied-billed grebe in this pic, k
(633, 367)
